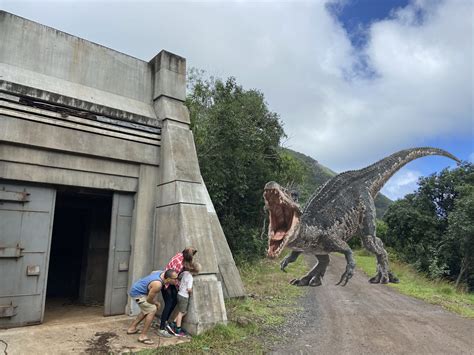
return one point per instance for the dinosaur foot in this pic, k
(392, 278)
(299, 282)
(376, 278)
(315, 281)
(379, 279)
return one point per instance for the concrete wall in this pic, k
(44, 58)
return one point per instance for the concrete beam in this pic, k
(56, 176)
(168, 108)
(55, 159)
(179, 152)
(35, 134)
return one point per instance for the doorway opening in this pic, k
(79, 254)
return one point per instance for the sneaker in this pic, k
(181, 333)
(170, 329)
(163, 333)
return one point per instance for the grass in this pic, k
(270, 298)
(417, 285)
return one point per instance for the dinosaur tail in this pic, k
(377, 174)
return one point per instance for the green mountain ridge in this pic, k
(319, 174)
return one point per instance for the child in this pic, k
(185, 290)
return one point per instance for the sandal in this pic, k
(134, 332)
(146, 341)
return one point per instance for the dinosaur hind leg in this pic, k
(375, 245)
(323, 262)
(289, 259)
(315, 275)
(334, 243)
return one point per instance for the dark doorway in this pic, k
(79, 248)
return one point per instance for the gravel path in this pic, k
(370, 319)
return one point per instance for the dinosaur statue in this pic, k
(340, 209)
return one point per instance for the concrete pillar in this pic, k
(143, 225)
(183, 214)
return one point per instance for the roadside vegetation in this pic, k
(433, 228)
(250, 320)
(413, 283)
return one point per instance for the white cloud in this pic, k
(402, 183)
(423, 88)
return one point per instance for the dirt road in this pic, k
(371, 319)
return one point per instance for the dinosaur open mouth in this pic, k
(284, 216)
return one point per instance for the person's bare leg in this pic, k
(148, 319)
(133, 326)
(179, 319)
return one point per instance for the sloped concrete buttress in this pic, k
(184, 212)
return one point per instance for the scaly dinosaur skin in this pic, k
(340, 209)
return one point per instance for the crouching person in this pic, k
(185, 290)
(144, 292)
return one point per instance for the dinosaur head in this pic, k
(284, 216)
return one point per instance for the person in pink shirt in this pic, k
(170, 292)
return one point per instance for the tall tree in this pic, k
(237, 140)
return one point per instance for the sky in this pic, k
(352, 80)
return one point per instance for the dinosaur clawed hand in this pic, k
(346, 276)
(284, 263)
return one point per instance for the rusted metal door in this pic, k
(119, 254)
(26, 221)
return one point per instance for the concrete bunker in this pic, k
(83, 125)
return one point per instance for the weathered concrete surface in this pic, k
(171, 109)
(206, 306)
(79, 331)
(170, 76)
(178, 154)
(45, 58)
(37, 134)
(228, 274)
(142, 237)
(184, 224)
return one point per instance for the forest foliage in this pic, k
(433, 228)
